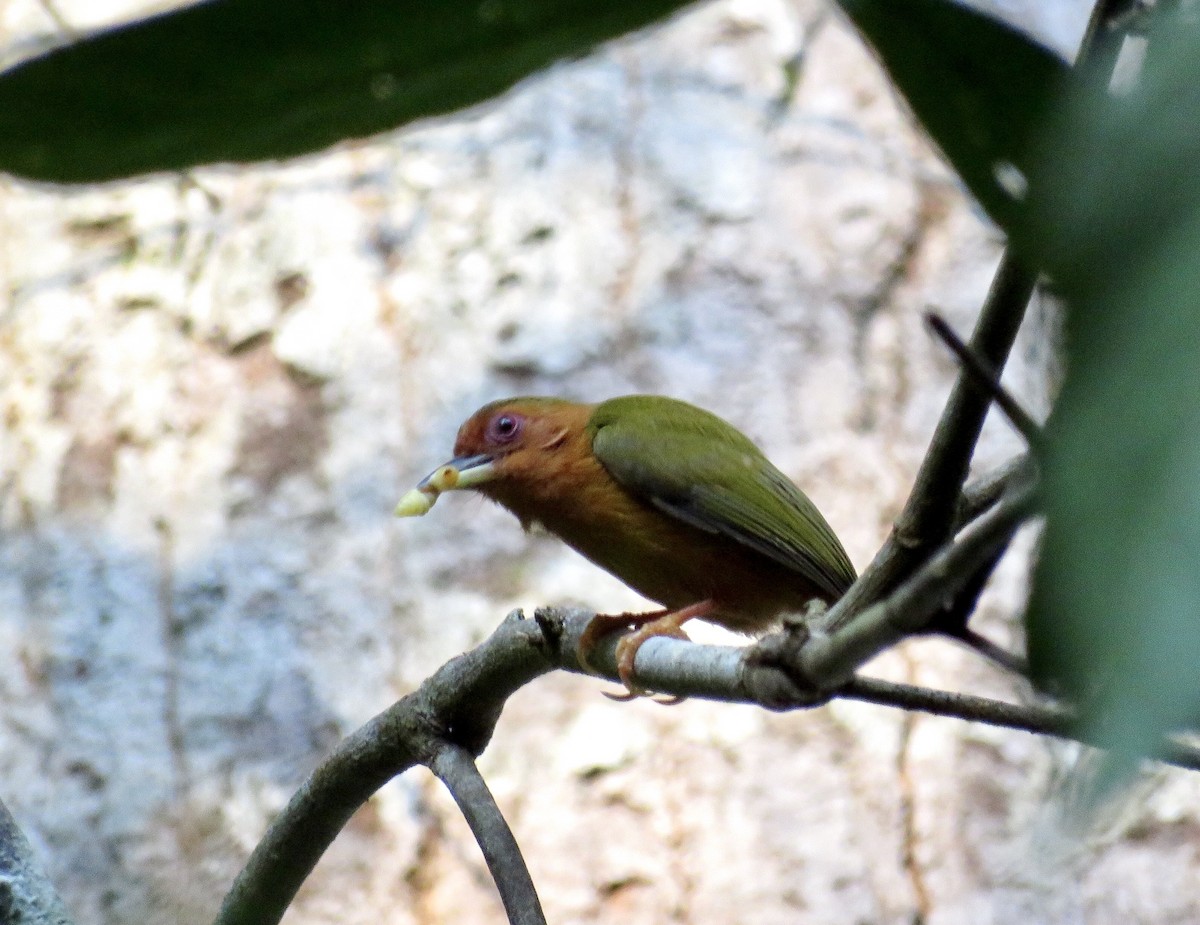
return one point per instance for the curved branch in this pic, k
(459, 704)
(452, 715)
(455, 768)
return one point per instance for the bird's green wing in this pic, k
(696, 467)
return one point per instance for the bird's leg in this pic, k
(666, 624)
(604, 624)
(644, 626)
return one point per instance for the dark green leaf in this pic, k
(980, 88)
(246, 80)
(1115, 615)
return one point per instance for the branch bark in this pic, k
(928, 517)
(830, 659)
(458, 705)
(26, 894)
(452, 715)
(455, 767)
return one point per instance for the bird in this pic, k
(669, 498)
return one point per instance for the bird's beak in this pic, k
(462, 472)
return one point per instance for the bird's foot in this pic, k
(645, 626)
(630, 695)
(605, 624)
(670, 625)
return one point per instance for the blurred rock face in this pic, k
(215, 387)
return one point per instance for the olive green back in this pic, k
(698, 468)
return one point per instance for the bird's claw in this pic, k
(645, 626)
(601, 625)
(627, 650)
(638, 693)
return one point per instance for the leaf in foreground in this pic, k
(981, 89)
(1115, 613)
(249, 80)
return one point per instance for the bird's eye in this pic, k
(504, 428)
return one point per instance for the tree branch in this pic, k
(458, 705)
(928, 516)
(455, 768)
(740, 675)
(26, 894)
(830, 659)
(452, 715)
(988, 380)
(982, 494)
(996, 654)
(1040, 719)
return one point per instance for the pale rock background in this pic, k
(213, 388)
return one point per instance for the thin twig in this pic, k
(1052, 720)
(952, 621)
(982, 494)
(977, 498)
(985, 377)
(980, 644)
(828, 661)
(455, 768)
(1041, 719)
(928, 516)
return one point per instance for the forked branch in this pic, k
(450, 718)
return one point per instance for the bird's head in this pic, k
(506, 442)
